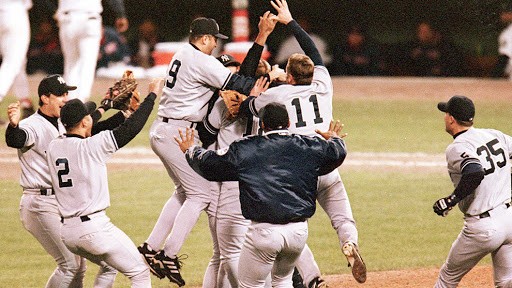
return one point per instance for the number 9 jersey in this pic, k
(309, 106)
(492, 149)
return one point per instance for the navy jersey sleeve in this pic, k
(213, 165)
(305, 42)
(334, 153)
(251, 60)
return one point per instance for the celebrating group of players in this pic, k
(262, 188)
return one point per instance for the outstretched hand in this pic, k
(334, 130)
(283, 12)
(14, 114)
(186, 140)
(267, 22)
(260, 86)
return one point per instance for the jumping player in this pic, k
(479, 167)
(39, 213)
(80, 30)
(278, 175)
(308, 100)
(192, 77)
(77, 164)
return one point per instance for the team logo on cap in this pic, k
(224, 58)
(61, 80)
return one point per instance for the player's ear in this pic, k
(45, 99)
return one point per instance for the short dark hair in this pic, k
(274, 116)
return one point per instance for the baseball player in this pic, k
(308, 100)
(278, 175)
(38, 207)
(192, 77)
(77, 164)
(229, 224)
(80, 34)
(503, 65)
(479, 167)
(14, 42)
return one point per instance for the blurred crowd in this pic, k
(354, 53)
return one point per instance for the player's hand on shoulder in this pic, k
(14, 114)
(283, 12)
(334, 130)
(156, 85)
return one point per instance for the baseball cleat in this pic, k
(355, 261)
(169, 267)
(148, 253)
(318, 283)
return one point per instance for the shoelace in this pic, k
(180, 260)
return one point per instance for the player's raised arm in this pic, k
(306, 43)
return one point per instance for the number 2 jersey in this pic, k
(79, 172)
(492, 149)
(309, 106)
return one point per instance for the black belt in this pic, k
(84, 218)
(486, 213)
(166, 120)
(47, 191)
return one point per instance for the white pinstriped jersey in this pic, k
(309, 106)
(79, 172)
(492, 149)
(8, 4)
(92, 6)
(192, 78)
(34, 168)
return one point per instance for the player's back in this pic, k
(309, 106)
(493, 149)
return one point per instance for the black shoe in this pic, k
(318, 283)
(297, 280)
(170, 267)
(149, 254)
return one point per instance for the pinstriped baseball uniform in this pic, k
(487, 218)
(193, 76)
(231, 224)
(79, 173)
(310, 107)
(38, 207)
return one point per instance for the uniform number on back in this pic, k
(173, 74)
(298, 110)
(63, 166)
(489, 151)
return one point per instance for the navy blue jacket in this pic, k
(277, 172)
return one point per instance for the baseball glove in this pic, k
(232, 99)
(120, 94)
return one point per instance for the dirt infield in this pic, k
(374, 88)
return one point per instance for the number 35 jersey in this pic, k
(492, 149)
(79, 172)
(309, 106)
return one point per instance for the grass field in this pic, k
(392, 205)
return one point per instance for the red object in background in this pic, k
(240, 25)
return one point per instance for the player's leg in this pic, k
(477, 239)
(307, 266)
(212, 270)
(40, 216)
(88, 47)
(261, 247)
(231, 230)
(333, 198)
(14, 41)
(70, 31)
(502, 257)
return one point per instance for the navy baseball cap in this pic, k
(460, 107)
(228, 60)
(206, 26)
(53, 84)
(74, 111)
